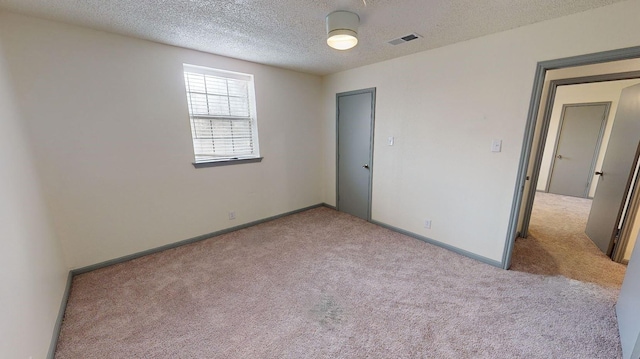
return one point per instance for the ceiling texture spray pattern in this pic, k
(291, 33)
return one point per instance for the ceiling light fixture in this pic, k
(342, 30)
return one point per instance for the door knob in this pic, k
(599, 173)
(365, 166)
(559, 157)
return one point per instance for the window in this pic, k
(222, 113)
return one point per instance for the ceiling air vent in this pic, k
(403, 39)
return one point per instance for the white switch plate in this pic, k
(390, 140)
(496, 146)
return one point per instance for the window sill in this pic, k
(227, 162)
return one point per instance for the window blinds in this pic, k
(220, 110)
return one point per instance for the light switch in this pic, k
(496, 146)
(390, 141)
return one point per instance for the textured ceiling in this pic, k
(291, 33)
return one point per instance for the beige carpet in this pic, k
(323, 284)
(557, 244)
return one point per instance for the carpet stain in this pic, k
(328, 312)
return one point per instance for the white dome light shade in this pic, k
(342, 30)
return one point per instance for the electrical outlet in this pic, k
(427, 223)
(232, 215)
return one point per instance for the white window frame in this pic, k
(211, 159)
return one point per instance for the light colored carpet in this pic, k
(323, 284)
(557, 244)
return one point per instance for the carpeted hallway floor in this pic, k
(323, 284)
(557, 244)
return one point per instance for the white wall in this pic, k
(613, 67)
(575, 94)
(444, 107)
(32, 271)
(627, 310)
(108, 120)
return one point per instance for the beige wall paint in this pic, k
(575, 94)
(444, 107)
(32, 271)
(108, 120)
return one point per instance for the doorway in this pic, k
(355, 114)
(606, 217)
(556, 243)
(607, 66)
(627, 67)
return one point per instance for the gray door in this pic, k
(627, 308)
(355, 114)
(577, 147)
(613, 183)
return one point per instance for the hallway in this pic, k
(557, 244)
